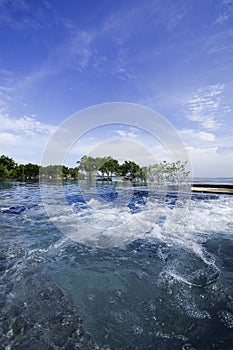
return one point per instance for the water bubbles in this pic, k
(138, 330)
(226, 318)
(203, 277)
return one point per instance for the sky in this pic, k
(58, 57)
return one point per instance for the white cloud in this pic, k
(226, 11)
(209, 153)
(206, 136)
(191, 135)
(23, 139)
(209, 162)
(126, 134)
(24, 125)
(204, 106)
(9, 139)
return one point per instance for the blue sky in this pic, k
(176, 57)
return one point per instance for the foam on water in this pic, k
(203, 219)
(155, 219)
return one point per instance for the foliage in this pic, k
(51, 171)
(109, 167)
(90, 167)
(7, 163)
(31, 171)
(158, 173)
(105, 166)
(60, 172)
(164, 172)
(7, 167)
(130, 170)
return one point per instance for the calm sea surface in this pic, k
(213, 180)
(170, 288)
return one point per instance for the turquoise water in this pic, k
(169, 289)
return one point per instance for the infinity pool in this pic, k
(170, 288)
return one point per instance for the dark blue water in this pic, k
(170, 289)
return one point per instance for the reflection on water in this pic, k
(171, 289)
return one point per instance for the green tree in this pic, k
(7, 167)
(109, 166)
(65, 172)
(3, 171)
(31, 171)
(130, 170)
(142, 174)
(74, 174)
(161, 173)
(156, 173)
(51, 171)
(88, 165)
(176, 172)
(7, 162)
(19, 171)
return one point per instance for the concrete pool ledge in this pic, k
(212, 188)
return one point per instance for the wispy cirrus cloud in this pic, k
(122, 67)
(6, 88)
(78, 50)
(225, 12)
(220, 43)
(5, 96)
(204, 106)
(18, 15)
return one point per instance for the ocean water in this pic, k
(213, 180)
(169, 287)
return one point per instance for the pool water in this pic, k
(168, 288)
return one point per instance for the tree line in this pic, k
(105, 167)
(9, 169)
(99, 168)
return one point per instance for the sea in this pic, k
(162, 281)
